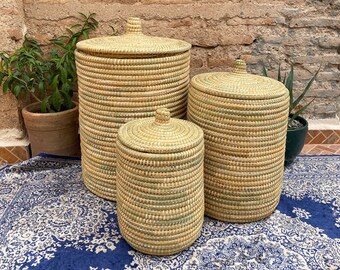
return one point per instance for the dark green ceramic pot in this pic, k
(295, 141)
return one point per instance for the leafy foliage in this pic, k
(295, 109)
(49, 80)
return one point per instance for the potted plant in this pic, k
(297, 125)
(52, 121)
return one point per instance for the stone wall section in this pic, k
(12, 25)
(303, 32)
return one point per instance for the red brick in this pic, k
(258, 21)
(166, 2)
(180, 23)
(220, 62)
(316, 22)
(236, 39)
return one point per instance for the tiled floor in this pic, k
(323, 137)
(321, 149)
(16, 154)
(13, 154)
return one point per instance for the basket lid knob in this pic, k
(134, 26)
(239, 67)
(162, 116)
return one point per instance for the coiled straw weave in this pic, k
(121, 79)
(244, 119)
(160, 194)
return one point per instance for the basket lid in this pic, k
(133, 42)
(238, 84)
(160, 134)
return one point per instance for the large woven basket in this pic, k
(160, 194)
(244, 119)
(121, 79)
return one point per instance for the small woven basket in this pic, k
(244, 119)
(121, 79)
(160, 193)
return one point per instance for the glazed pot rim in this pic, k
(28, 110)
(302, 120)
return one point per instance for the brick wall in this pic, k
(305, 33)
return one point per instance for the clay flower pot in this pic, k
(52, 133)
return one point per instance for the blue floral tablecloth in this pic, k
(49, 220)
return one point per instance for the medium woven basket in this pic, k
(244, 119)
(121, 79)
(160, 193)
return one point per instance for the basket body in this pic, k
(244, 118)
(160, 193)
(121, 79)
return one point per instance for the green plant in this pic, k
(49, 80)
(295, 108)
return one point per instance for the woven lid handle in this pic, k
(240, 67)
(134, 26)
(162, 116)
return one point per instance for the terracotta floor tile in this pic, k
(320, 149)
(314, 151)
(327, 133)
(2, 162)
(7, 156)
(313, 133)
(327, 152)
(332, 138)
(335, 146)
(307, 148)
(318, 139)
(21, 152)
(309, 138)
(323, 147)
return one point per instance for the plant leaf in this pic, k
(63, 75)
(2, 76)
(5, 86)
(86, 35)
(76, 25)
(57, 42)
(284, 79)
(309, 84)
(279, 73)
(67, 100)
(264, 70)
(16, 90)
(70, 31)
(56, 100)
(45, 105)
(83, 15)
(54, 83)
(41, 86)
(289, 86)
(298, 112)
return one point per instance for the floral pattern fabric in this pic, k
(49, 220)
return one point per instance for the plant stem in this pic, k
(35, 97)
(32, 94)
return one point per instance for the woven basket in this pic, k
(244, 119)
(160, 193)
(121, 79)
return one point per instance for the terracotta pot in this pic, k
(52, 133)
